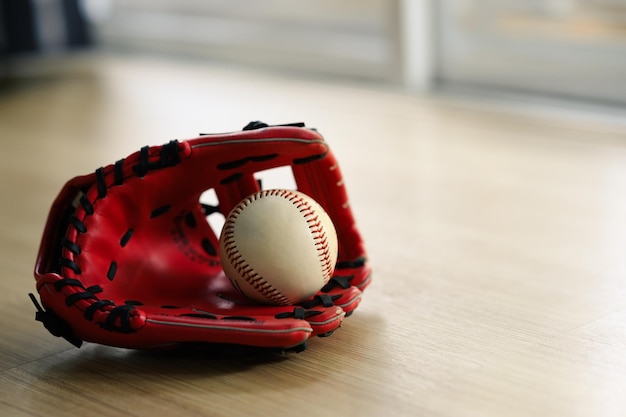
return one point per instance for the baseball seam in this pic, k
(243, 269)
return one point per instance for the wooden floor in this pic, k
(497, 239)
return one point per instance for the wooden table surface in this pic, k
(497, 240)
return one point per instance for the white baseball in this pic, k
(278, 247)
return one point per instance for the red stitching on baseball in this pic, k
(247, 272)
(240, 265)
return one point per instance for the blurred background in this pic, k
(484, 147)
(560, 51)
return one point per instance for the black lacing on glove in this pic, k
(54, 324)
(119, 316)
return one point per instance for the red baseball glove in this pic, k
(129, 259)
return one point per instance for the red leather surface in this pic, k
(147, 244)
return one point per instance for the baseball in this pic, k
(278, 247)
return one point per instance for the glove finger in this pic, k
(314, 166)
(317, 174)
(241, 154)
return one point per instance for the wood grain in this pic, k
(497, 239)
